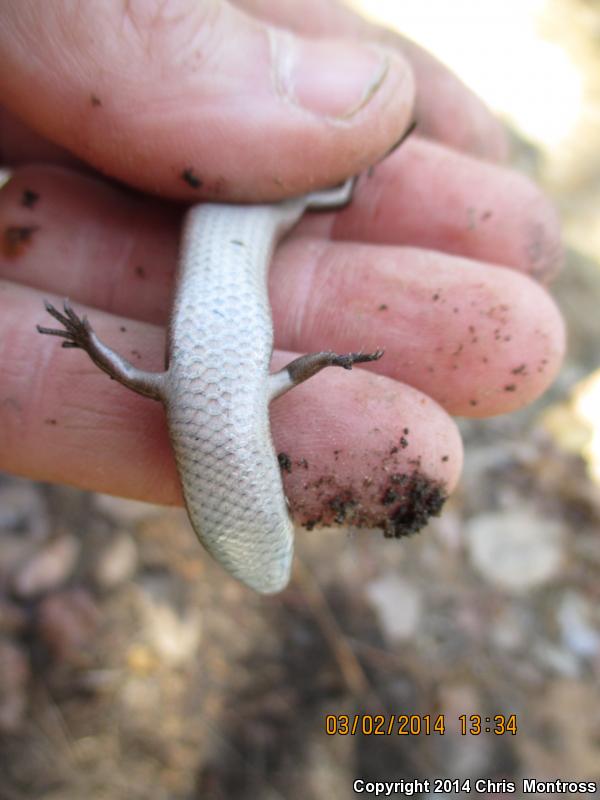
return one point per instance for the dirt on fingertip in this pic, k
(397, 498)
(191, 178)
(285, 462)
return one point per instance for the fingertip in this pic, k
(446, 108)
(530, 342)
(374, 453)
(438, 199)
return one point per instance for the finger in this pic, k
(197, 99)
(445, 108)
(480, 339)
(92, 241)
(423, 196)
(429, 196)
(111, 251)
(61, 419)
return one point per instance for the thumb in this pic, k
(194, 98)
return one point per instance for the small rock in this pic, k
(459, 698)
(117, 562)
(174, 639)
(48, 568)
(14, 676)
(398, 605)
(123, 510)
(555, 659)
(24, 525)
(567, 711)
(574, 621)
(170, 622)
(508, 629)
(329, 765)
(141, 660)
(448, 529)
(516, 550)
(22, 509)
(67, 623)
(469, 755)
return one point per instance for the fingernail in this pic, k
(331, 78)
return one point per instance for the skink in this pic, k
(216, 388)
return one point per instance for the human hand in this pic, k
(433, 260)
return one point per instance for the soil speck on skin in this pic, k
(382, 307)
(520, 370)
(422, 499)
(435, 297)
(95, 101)
(122, 328)
(16, 238)
(403, 442)
(341, 506)
(190, 177)
(285, 462)
(312, 523)
(50, 421)
(473, 402)
(486, 215)
(390, 496)
(140, 272)
(511, 387)
(445, 458)
(29, 198)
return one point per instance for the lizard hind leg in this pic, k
(304, 367)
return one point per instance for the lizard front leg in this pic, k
(77, 332)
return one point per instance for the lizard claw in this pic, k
(76, 331)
